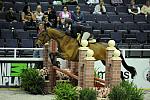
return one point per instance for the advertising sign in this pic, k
(9, 73)
(142, 66)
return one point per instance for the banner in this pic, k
(9, 73)
(142, 66)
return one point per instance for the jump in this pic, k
(68, 47)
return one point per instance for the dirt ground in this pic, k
(9, 94)
(17, 94)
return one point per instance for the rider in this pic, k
(76, 31)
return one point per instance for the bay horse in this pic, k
(68, 47)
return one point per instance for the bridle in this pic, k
(41, 41)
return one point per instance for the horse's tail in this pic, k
(129, 68)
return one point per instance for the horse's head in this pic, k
(50, 33)
(42, 38)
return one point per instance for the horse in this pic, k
(68, 47)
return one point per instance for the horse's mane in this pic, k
(60, 34)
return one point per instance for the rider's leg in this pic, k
(85, 36)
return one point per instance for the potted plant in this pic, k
(32, 81)
(126, 91)
(87, 94)
(65, 91)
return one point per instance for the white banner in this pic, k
(142, 66)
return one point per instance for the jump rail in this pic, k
(15, 58)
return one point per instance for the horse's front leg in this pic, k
(53, 58)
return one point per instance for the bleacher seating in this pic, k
(7, 34)
(114, 19)
(108, 27)
(23, 35)
(116, 36)
(126, 18)
(17, 25)
(44, 5)
(26, 43)
(132, 27)
(127, 30)
(135, 54)
(146, 54)
(141, 37)
(18, 6)
(110, 10)
(148, 19)
(101, 18)
(96, 26)
(89, 17)
(8, 5)
(11, 43)
(121, 27)
(139, 19)
(145, 28)
(124, 46)
(2, 43)
(121, 10)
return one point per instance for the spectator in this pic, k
(133, 9)
(46, 22)
(92, 1)
(41, 27)
(38, 13)
(51, 13)
(66, 26)
(100, 8)
(71, 2)
(65, 14)
(10, 15)
(27, 15)
(58, 23)
(146, 8)
(39, 53)
(78, 16)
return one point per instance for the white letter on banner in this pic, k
(16, 81)
(10, 81)
(0, 70)
(1, 80)
(4, 69)
(8, 69)
(5, 80)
